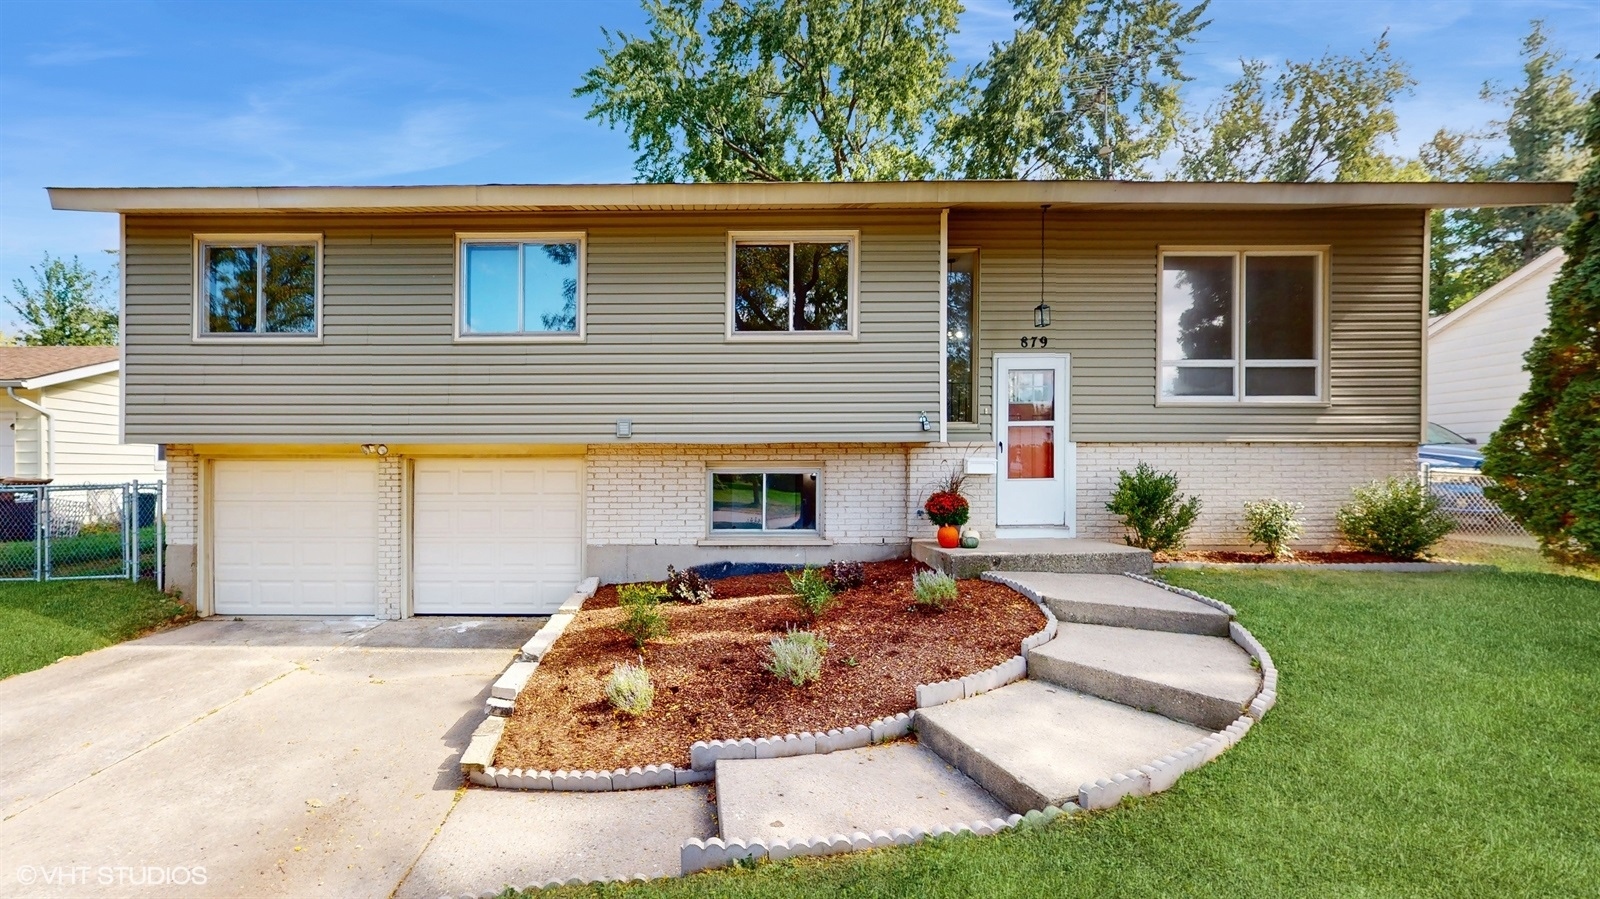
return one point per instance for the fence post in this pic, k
(44, 532)
(161, 543)
(130, 534)
(39, 525)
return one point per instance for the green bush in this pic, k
(1274, 523)
(634, 594)
(629, 689)
(933, 589)
(811, 592)
(1155, 515)
(1397, 517)
(796, 657)
(642, 604)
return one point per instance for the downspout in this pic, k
(47, 456)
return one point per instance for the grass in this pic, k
(1436, 735)
(17, 557)
(42, 622)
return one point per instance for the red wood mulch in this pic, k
(708, 671)
(1314, 558)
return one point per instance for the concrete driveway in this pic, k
(264, 757)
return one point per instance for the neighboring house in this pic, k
(59, 418)
(463, 399)
(1475, 351)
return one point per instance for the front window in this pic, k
(764, 501)
(1241, 326)
(783, 285)
(521, 286)
(960, 336)
(266, 286)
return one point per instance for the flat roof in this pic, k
(799, 195)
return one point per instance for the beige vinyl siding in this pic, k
(87, 443)
(389, 369)
(1101, 281)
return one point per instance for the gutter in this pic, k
(47, 458)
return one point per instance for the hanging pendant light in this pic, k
(1041, 312)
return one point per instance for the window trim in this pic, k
(198, 333)
(852, 237)
(977, 351)
(762, 535)
(519, 238)
(1238, 364)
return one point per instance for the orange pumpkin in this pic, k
(949, 536)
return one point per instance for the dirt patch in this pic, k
(1312, 558)
(708, 678)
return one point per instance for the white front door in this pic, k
(1035, 484)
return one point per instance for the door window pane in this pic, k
(1030, 452)
(1032, 395)
(1280, 381)
(761, 287)
(491, 289)
(1177, 381)
(289, 282)
(792, 502)
(550, 287)
(821, 287)
(1280, 306)
(230, 290)
(1197, 307)
(736, 501)
(959, 339)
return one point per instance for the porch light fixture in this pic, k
(375, 449)
(1041, 312)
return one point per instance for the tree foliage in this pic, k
(779, 90)
(1545, 458)
(1083, 89)
(1323, 120)
(65, 305)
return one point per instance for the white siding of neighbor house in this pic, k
(87, 449)
(26, 461)
(1475, 353)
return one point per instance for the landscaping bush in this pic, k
(811, 592)
(1273, 523)
(642, 603)
(634, 594)
(796, 657)
(688, 586)
(842, 576)
(629, 689)
(1397, 517)
(1155, 515)
(933, 589)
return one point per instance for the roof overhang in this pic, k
(807, 195)
(62, 377)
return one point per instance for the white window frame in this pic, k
(258, 239)
(853, 238)
(1238, 364)
(762, 534)
(520, 238)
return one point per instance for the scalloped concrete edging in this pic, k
(701, 855)
(568, 882)
(1405, 567)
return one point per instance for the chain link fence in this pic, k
(81, 531)
(1478, 519)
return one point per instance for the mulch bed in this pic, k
(708, 671)
(1313, 558)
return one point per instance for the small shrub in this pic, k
(636, 594)
(644, 621)
(796, 657)
(1397, 517)
(629, 689)
(933, 589)
(688, 586)
(811, 592)
(1273, 523)
(842, 576)
(1157, 517)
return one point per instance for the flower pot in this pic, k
(949, 536)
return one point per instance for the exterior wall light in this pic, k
(1041, 315)
(375, 449)
(922, 419)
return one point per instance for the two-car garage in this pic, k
(303, 536)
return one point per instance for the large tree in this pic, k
(1328, 119)
(1542, 136)
(1083, 89)
(779, 90)
(1545, 458)
(65, 305)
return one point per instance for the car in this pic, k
(1447, 449)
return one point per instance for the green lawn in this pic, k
(41, 622)
(86, 554)
(1436, 735)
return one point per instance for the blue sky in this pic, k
(216, 93)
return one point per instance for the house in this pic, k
(1475, 351)
(413, 400)
(59, 418)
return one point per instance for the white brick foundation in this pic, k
(183, 520)
(391, 537)
(1226, 475)
(929, 466)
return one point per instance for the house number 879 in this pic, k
(1035, 342)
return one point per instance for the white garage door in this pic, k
(496, 536)
(295, 537)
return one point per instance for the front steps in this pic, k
(1034, 744)
(1117, 601)
(1052, 554)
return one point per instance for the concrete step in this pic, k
(1117, 601)
(877, 788)
(1205, 681)
(1034, 744)
(1060, 554)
